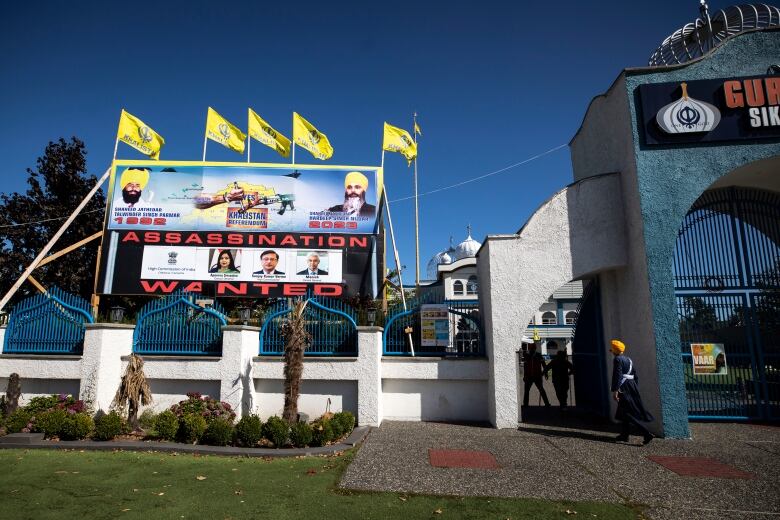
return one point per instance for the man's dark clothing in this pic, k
(366, 210)
(561, 369)
(534, 367)
(630, 409)
(306, 271)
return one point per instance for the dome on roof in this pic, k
(466, 249)
(438, 259)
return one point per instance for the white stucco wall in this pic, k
(328, 377)
(434, 389)
(577, 233)
(101, 364)
(604, 143)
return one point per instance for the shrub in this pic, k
(249, 430)
(108, 426)
(18, 421)
(301, 434)
(166, 424)
(50, 402)
(206, 407)
(191, 428)
(77, 426)
(345, 422)
(322, 432)
(219, 432)
(277, 431)
(50, 422)
(147, 419)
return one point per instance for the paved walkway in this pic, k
(559, 463)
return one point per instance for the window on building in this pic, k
(457, 287)
(571, 318)
(471, 285)
(549, 318)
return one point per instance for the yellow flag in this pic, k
(134, 132)
(417, 129)
(308, 137)
(398, 140)
(224, 132)
(261, 131)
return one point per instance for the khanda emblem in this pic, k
(145, 134)
(314, 136)
(224, 130)
(406, 140)
(687, 115)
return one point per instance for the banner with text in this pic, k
(181, 196)
(241, 230)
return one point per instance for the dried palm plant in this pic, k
(295, 340)
(133, 391)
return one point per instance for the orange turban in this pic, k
(617, 346)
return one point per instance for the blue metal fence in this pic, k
(176, 325)
(727, 286)
(465, 328)
(331, 323)
(51, 323)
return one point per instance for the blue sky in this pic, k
(494, 83)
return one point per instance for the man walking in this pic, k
(534, 367)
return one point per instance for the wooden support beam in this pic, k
(37, 284)
(45, 251)
(52, 257)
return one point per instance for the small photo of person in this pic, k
(312, 260)
(269, 261)
(225, 261)
(354, 204)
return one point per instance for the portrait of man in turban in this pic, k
(355, 186)
(132, 182)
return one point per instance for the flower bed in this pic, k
(196, 420)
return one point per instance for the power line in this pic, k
(46, 220)
(515, 165)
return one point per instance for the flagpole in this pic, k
(416, 210)
(293, 152)
(116, 143)
(248, 146)
(205, 137)
(397, 260)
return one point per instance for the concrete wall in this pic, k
(411, 388)
(433, 389)
(670, 179)
(579, 232)
(658, 186)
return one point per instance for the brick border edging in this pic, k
(356, 437)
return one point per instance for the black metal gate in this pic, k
(727, 287)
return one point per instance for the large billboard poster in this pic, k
(241, 229)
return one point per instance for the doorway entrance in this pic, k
(727, 289)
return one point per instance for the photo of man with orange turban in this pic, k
(355, 187)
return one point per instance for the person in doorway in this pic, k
(561, 369)
(625, 390)
(534, 368)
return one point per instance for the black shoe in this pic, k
(647, 438)
(621, 438)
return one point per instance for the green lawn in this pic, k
(39, 484)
